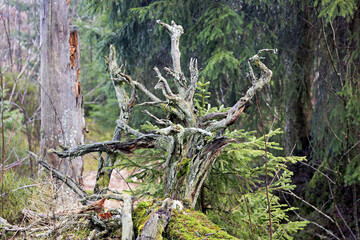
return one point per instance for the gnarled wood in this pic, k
(188, 138)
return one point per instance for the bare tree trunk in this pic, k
(62, 121)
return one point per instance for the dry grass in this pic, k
(50, 203)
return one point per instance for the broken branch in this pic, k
(234, 112)
(67, 180)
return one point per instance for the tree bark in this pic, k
(62, 121)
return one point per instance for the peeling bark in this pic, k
(62, 121)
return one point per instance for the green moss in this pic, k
(89, 191)
(183, 167)
(141, 215)
(194, 225)
(76, 234)
(104, 180)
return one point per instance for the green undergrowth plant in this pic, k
(234, 195)
(15, 194)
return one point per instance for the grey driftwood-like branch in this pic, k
(126, 213)
(145, 141)
(186, 129)
(175, 32)
(192, 142)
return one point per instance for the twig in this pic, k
(18, 227)
(307, 203)
(16, 163)
(67, 180)
(329, 52)
(266, 168)
(118, 172)
(164, 122)
(316, 224)
(351, 148)
(19, 188)
(316, 169)
(276, 174)
(336, 222)
(342, 218)
(92, 90)
(12, 131)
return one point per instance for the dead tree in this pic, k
(62, 120)
(191, 141)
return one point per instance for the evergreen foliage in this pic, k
(235, 189)
(226, 34)
(332, 9)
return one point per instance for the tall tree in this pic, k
(62, 120)
(298, 105)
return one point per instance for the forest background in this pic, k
(313, 96)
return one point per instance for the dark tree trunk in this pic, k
(298, 106)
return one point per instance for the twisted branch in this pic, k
(234, 112)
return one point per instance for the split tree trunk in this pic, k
(62, 121)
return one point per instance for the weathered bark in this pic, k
(146, 141)
(188, 186)
(62, 120)
(127, 223)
